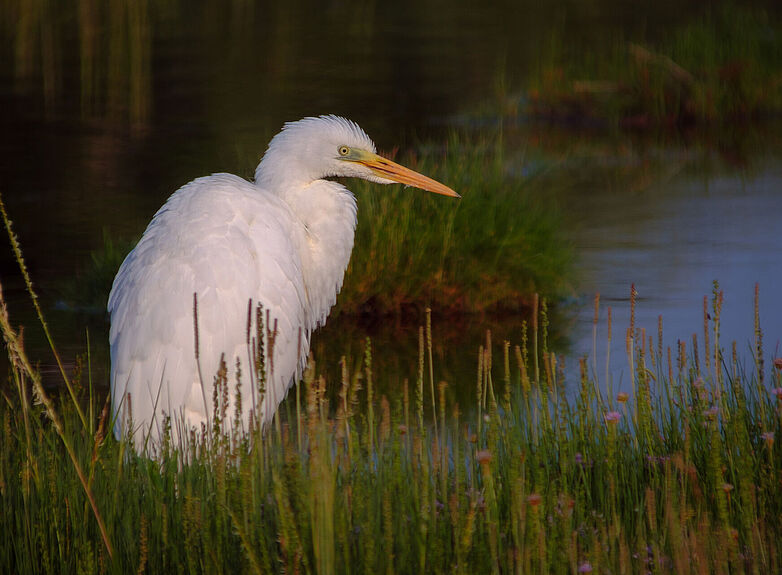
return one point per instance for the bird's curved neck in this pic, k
(326, 221)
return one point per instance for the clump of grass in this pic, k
(89, 290)
(530, 477)
(491, 250)
(721, 68)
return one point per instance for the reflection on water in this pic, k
(97, 54)
(106, 108)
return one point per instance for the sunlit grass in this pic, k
(493, 249)
(681, 477)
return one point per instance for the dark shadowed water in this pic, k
(107, 109)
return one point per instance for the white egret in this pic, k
(283, 241)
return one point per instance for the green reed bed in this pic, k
(682, 476)
(719, 68)
(412, 247)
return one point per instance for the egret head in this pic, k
(326, 146)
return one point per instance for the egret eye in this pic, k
(344, 150)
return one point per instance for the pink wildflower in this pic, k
(585, 567)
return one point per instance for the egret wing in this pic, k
(230, 243)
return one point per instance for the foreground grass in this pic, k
(682, 477)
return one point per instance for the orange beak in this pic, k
(392, 171)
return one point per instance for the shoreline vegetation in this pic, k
(681, 475)
(719, 71)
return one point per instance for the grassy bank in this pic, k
(682, 476)
(722, 68)
(493, 249)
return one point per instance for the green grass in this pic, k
(89, 290)
(530, 477)
(491, 250)
(721, 68)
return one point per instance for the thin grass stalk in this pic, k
(344, 407)
(370, 398)
(609, 381)
(419, 388)
(631, 360)
(522, 358)
(196, 349)
(507, 386)
(17, 372)
(388, 532)
(34, 297)
(706, 348)
(246, 543)
(595, 318)
(89, 383)
(488, 388)
(431, 369)
(250, 361)
(479, 388)
(535, 352)
(544, 324)
(443, 446)
(758, 339)
(298, 396)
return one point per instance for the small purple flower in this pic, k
(768, 437)
(579, 458)
(712, 412)
(613, 417)
(778, 392)
(658, 459)
(483, 456)
(585, 567)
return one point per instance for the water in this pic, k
(672, 240)
(104, 111)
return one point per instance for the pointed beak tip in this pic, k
(440, 189)
(451, 193)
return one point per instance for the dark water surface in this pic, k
(106, 110)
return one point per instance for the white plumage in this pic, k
(283, 241)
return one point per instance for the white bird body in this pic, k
(283, 241)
